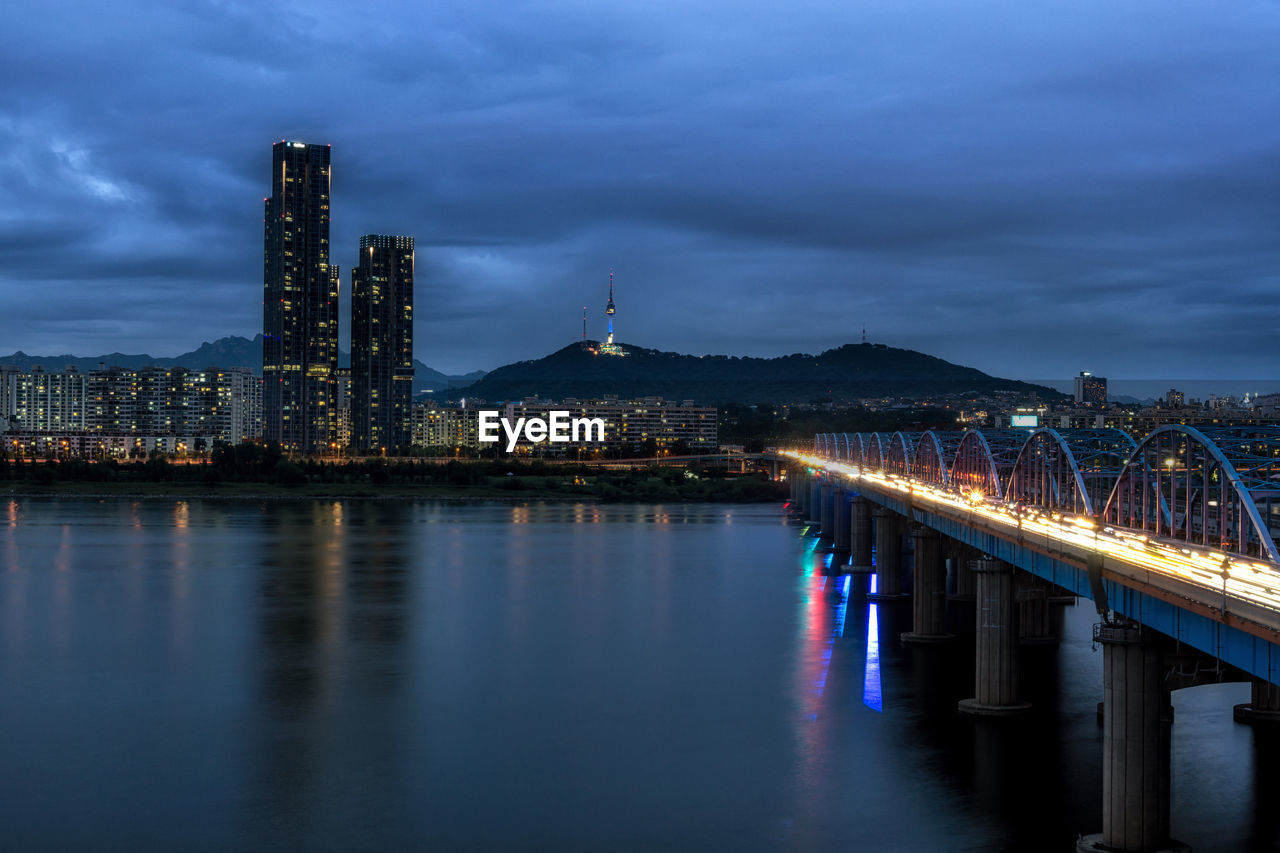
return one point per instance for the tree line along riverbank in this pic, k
(254, 471)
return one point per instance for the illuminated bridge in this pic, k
(1173, 537)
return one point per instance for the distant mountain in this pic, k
(847, 373)
(464, 379)
(233, 351)
(426, 379)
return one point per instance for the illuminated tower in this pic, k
(382, 343)
(609, 347)
(300, 301)
(610, 310)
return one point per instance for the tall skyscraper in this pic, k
(300, 301)
(382, 343)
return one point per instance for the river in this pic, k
(398, 675)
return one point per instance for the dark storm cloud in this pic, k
(1032, 189)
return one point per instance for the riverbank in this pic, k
(515, 489)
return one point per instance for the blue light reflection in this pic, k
(871, 677)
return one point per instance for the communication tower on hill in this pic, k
(585, 344)
(609, 347)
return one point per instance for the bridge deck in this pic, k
(1224, 605)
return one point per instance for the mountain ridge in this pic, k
(846, 373)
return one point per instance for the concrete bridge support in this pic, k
(1035, 614)
(929, 591)
(860, 536)
(888, 560)
(962, 582)
(996, 664)
(813, 508)
(1136, 746)
(1264, 704)
(962, 586)
(840, 519)
(827, 511)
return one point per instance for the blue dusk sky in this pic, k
(1028, 188)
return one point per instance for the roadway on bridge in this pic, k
(1229, 587)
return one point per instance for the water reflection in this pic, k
(871, 695)
(333, 599)
(333, 608)
(404, 676)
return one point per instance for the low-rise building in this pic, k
(156, 403)
(631, 426)
(445, 429)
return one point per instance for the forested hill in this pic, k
(844, 374)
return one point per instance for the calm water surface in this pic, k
(361, 675)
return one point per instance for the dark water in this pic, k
(396, 676)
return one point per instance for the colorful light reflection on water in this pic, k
(871, 695)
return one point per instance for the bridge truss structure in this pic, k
(1214, 488)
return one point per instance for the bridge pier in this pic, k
(840, 520)
(963, 583)
(813, 507)
(888, 561)
(860, 533)
(827, 510)
(1264, 704)
(1137, 718)
(1035, 616)
(962, 586)
(996, 664)
(929, 590)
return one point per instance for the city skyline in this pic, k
(1057, 189)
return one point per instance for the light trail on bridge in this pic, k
(1218, 572)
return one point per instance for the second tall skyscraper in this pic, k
(382, 343)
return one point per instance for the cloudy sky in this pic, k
(1029, 188)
